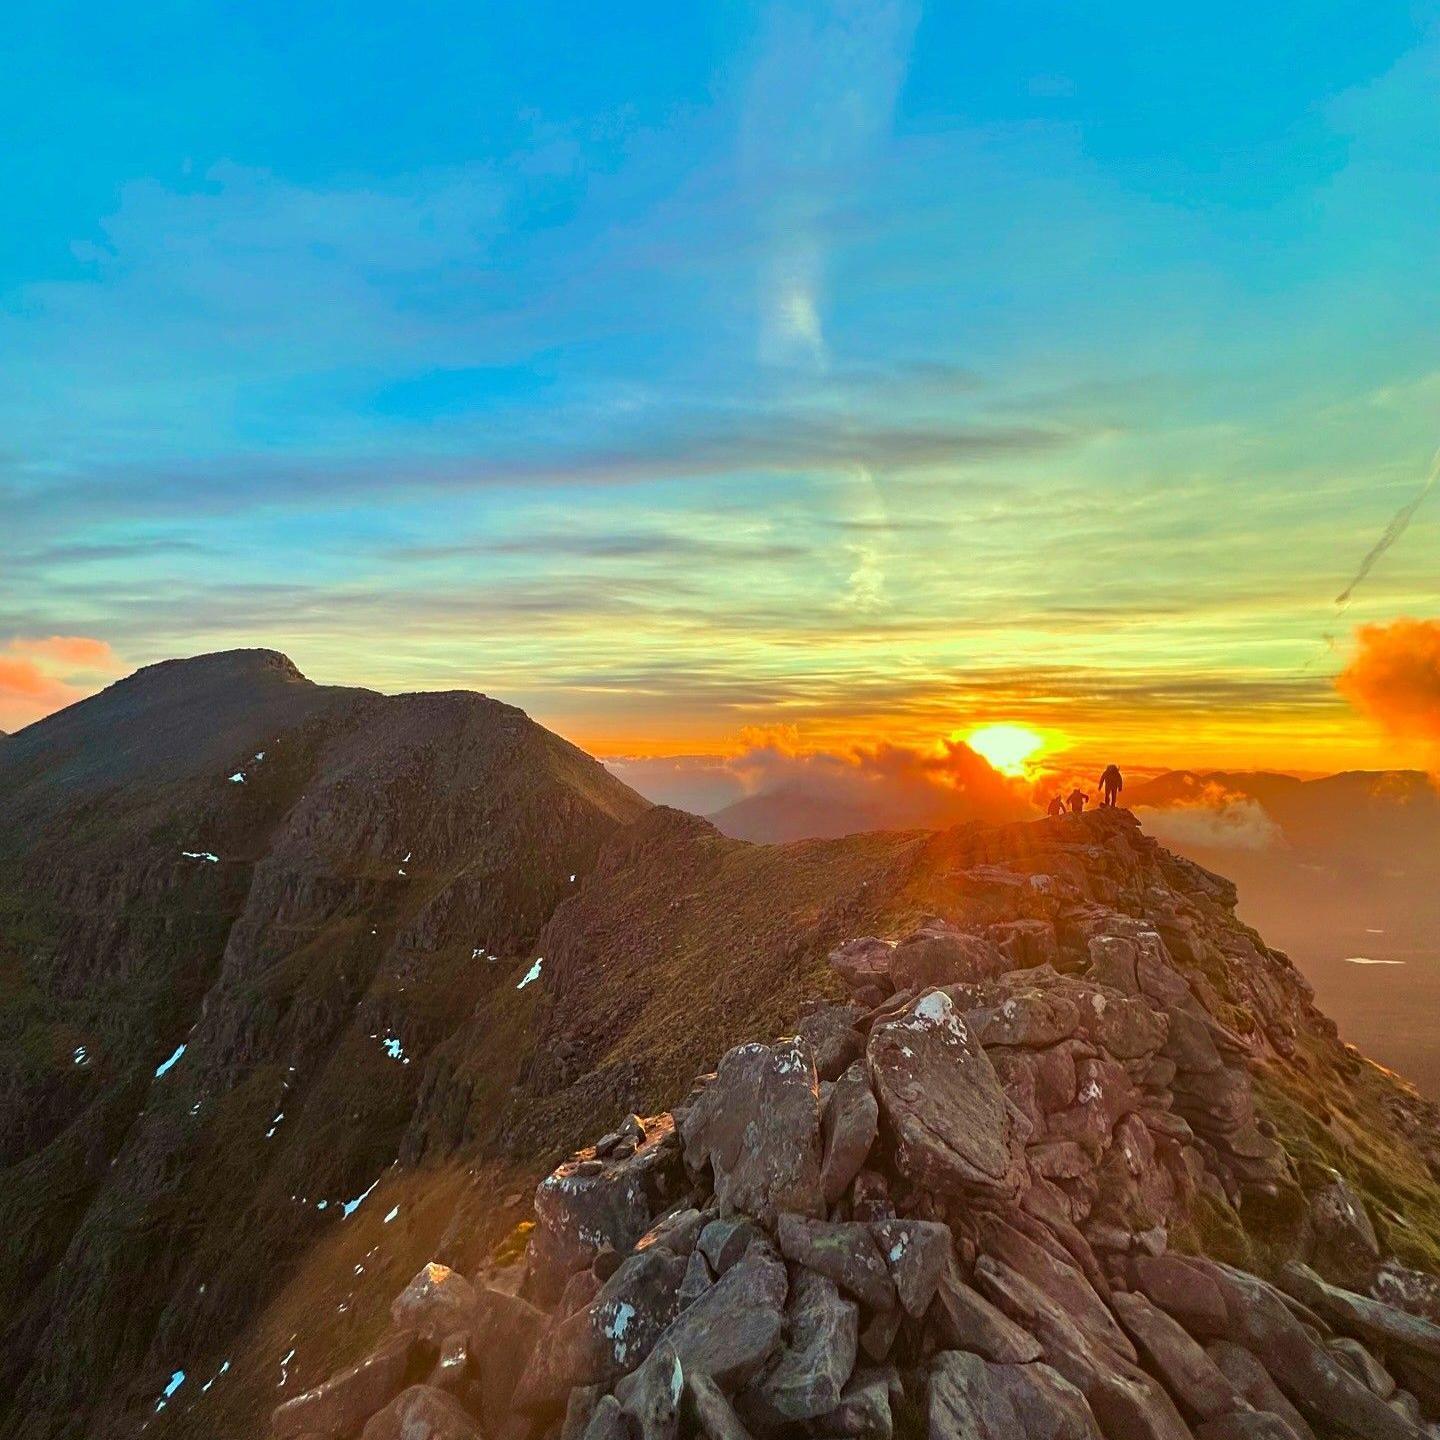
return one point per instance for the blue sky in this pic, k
(859, 367)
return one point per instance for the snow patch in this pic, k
(533, 973)
(176, 1381)
(1366, 960)
(391, 1216)
(351, 1206)
(238, 778)
(165, 1066)
(81, 1056)
(205, 1388)
(208, 856)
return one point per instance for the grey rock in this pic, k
(1346, 1250)
(864, 963)
(916, 1252)
(1247, 1425)
(705, 1406)
(343, 1402)
(758, 1125)
(953, 1131)
(964, 1319)
(864, 1411)
(723, 1242)
(422, 1413)
(653, 1403)
(830, 1033)
(939, 954)
(845, 1252)
(732, 1329)
(849, 1124)
(1189, 1374)
(973, 1399)
(807, 1377)
(1250, 1377)
(436, 1303)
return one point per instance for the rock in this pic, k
(732, 1329)
(880, 1331)
(1189, 1374)
(697, 1281)
(953, 1131)
(830, 1034)
(579, 1411)
(938, 954)
(1249, 1425)
(504, 1333)
(607, 1422)
(579, 1211)
(1185, 1291)
(1027, 943)
(676, 1231)
(1059, 1280)
(723, 1242)
(452, 1369)
(916, 1252)
(758, 1126)
(436, 1303)
(863, 964)
(963, 1319)
(1319, 1386)
(864, 1411)
(710, 1412)
(1028, 1018)
(973, 1399)
(1346, 1251)
(1362, 1365)
(849, 1125)
(653, 1403)
(1250, 1377)
(807, 1377)
(845, 1252)
(340, 1405)
(422, 1413)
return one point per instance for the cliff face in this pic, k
(243, 915)
(1034, 1063)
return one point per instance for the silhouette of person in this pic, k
(1056, 807)
(1111, 784)
(1077, 799)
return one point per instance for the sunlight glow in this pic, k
(1006, 747)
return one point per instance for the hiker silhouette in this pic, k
(1055, 807)
(1112, 782)
(1077, 799)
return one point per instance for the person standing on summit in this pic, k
(1112, 782)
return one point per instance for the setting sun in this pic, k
(1006, 747)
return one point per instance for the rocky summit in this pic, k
(1017, 1181)
(355, 1094)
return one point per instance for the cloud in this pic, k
(884, 786)
(1399, 523)
(40, 675)
(1213, 821)
(1394, 677)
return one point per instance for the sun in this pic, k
(1005, 747)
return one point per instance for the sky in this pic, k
(694, 376)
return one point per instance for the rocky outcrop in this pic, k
(967, 1227)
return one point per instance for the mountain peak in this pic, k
(237, 665)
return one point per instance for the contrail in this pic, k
(1393, 531)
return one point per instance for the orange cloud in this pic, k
(76, 652)
(38, 675)
(1395, 677)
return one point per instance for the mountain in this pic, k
(790, 812)
(246, 923)
(438, 952)
(1049, 1144)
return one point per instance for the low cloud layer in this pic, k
(1218, 822)
(1394, 677)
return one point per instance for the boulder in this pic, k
(422, 1413)
(963, 1319)
(830, 1033)
(916, 1252)
(731, 1330)
(1346, 1251)
(1250, 1377)
(807, 1377)
(865, 1411)
(504, 1333)
(864, 964)
(845, 1252)
(938, 954)
(705, 1407)
(587, 1205)
(436, 1303)
(723, 1242)
(653, 1403)
(849, 1124)
(973, 1399)
(340, 1405)
(758, 1126)
(1246, 1425)
(952, 1129)
(1189, 1374)
(1027, 943)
